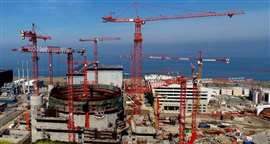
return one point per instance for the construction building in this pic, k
(89, 109)
(104, 104)
(107, 74)
(260, 95)
(169, 98)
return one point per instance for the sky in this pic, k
(246, 36)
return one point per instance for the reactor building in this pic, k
(104, 104)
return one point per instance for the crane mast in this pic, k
(195, 106)
(182, 110)
(71, 125)
(50, 59)
(86, 89)
(200, 65)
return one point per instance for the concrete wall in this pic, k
(60, 136)
(100, 124)
(110, 77)
(57, 136)
(79, 120)
(35, 103)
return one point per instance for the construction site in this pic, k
(94, 103)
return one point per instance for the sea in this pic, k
(239, 68)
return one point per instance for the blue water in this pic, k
(254, 68)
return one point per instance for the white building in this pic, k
(230, 91)
(261, 95)
(214, 91)
(240, 91)
(227, 91)
(110, 75)
(169, 97)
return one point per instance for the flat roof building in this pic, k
(107, 74)
(169, 98)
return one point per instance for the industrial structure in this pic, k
(96, 104)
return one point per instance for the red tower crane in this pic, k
(182, 81)
(95, 40)
(199, 59)
(196, 90)
(69, 52)
(136, 74)
(33, 38)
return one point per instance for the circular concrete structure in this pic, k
(101, 98)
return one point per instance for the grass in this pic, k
(5, 142)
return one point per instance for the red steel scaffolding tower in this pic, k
(71, 126)
(182, 110)
(195, 105)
